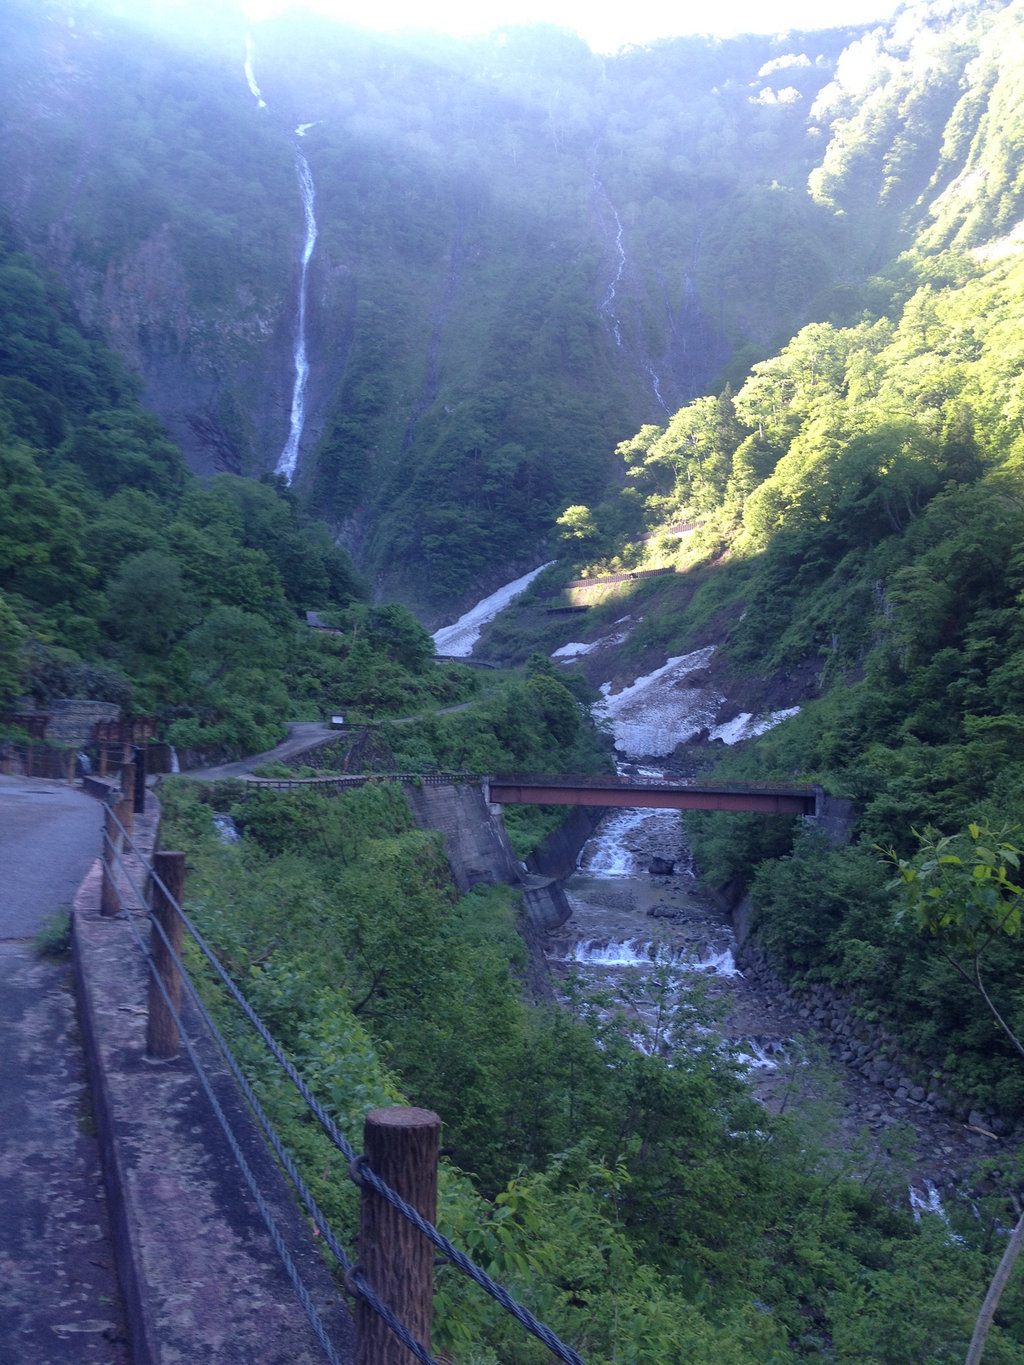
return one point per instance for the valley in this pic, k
(544, 411)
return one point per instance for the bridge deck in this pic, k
(782, 798)
(545, 789)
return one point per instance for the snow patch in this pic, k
(459, 638)
(746, 726)
(658, 711)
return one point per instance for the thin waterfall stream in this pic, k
(297, 421)
(289, 457)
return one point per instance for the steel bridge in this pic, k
(542, 789)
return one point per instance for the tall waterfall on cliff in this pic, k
(290, 455)
(250, 75)
(297, 420)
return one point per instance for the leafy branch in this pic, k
(966, 903)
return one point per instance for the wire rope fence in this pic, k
(395, 1232)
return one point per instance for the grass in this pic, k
(53, 940)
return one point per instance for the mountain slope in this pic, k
(524, 252)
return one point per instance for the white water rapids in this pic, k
(648, 940)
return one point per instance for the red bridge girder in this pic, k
(760, 797)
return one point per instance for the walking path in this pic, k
(302, 736)
(201, 1280)
(59, 1299)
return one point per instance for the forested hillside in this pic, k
(862, 501)
(524, 252)
(558, 305)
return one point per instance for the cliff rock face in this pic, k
(221, 383)
(510, 274)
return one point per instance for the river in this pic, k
(652, 937)
(661, 946)
(657, 943)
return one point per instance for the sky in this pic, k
(605, 26)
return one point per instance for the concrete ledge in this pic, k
(545, 903)
(199, 1273)
(100, 787)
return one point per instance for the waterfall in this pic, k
(607, 309)
(609, 298)
(656, 385)
(250, 76)
(290, 455)
(297, 420)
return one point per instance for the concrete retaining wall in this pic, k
(556, 855)
(474, 837)
(836, 819)
(200, 1277)
(479, 851)
(545, 903)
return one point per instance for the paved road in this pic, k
(302, 735)
(59, 1298)
(49, 836)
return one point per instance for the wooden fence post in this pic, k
(139, 757)
(161, 1027)
(127, 797)
(401, 1146)
(111, 848)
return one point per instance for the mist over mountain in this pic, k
(525, 251)
(731, 332)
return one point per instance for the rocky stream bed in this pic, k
(814, 1051)
(799, 1052)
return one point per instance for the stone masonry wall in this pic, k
(72, 721)
(871, 1047)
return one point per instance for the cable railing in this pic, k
(125, 865)
(343, 780)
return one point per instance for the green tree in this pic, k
(12, 633)
(149, 606)
(964, 891)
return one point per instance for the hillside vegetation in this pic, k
(644, 1206)
(773, 287)
(862, 500)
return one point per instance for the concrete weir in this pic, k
(478, 849)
